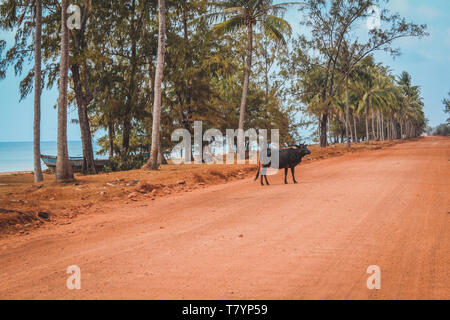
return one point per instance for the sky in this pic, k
(427, 60)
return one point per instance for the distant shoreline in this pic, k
(19, 156)
(41, 141)
(15, 172)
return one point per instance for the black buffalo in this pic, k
(288, 158)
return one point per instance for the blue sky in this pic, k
(427, 60)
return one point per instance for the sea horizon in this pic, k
(16, 156)
(44, 141)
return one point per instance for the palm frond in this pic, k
(231, 24)
(273, 33)
(212, 17)
(234, 10)
(276, 27)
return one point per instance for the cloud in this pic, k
(400, 6)
(425, 11)
(420, 11)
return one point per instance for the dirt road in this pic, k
(314, 240)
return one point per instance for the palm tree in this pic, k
(64, 171)
(156, 136)
(239, 14)
(412, 106)
(379, 94)
(37, 86)
(366, 73)
(37, 94)
(446, 103)
(348, 76)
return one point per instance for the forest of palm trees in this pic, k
(136, 70)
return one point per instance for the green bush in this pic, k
(126, 162)
(442, 130)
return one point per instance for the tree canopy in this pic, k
(297, 80)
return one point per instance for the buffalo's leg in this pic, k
(263, 172)
(293, 174)
(285, 175)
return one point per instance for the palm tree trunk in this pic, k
(396, 130)
(111, 138)
(323, 132)
(329, 131)
(388, 129)
(401, 129)
(318, 128)
(352, 137)
(367, 122)
(373, 122)
(356, 133)
(37, 94)
(391, 125)
(83, 100)
(391, 131)
(64, 171)
(381, 127)
(161, 158)
(248, 69)
(86, 139)
(395, 127)
(347, 114)
(378, 126)
(153, 161)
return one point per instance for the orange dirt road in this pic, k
(314, 240)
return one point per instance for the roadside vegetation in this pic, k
(137, 70)
(443, 129)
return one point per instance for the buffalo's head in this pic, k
(303, 148)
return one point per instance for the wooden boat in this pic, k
(76, 163)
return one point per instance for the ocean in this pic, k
(18, 156)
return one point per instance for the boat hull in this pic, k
(75, 162)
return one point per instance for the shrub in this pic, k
(126, 162)
(442, 130)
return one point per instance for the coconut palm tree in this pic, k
(378, 95)
(412, 112)
(237, 14)
(446, 103)
(37, 93)
(38, 177)
(156, 136)
(365, 76)
(64, 171)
